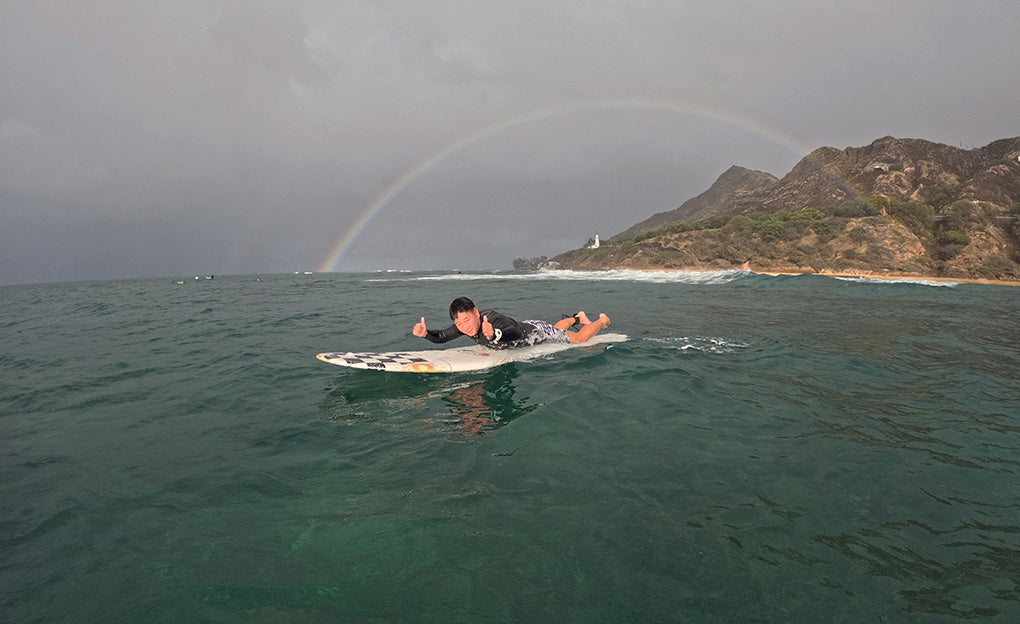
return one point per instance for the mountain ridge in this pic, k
(907, 206)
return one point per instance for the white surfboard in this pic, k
(454, 360)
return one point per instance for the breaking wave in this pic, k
(620, 275)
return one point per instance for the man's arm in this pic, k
(505, 330)
(443, 335)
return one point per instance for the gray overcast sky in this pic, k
(248, 136)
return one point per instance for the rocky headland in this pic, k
(897, 207)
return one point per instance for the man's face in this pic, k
(468, 322)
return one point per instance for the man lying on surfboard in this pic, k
(497, 331)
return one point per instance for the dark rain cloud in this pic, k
(207, 136)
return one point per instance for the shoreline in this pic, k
(898, 276)
(826, 273)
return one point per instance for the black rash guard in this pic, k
(507, 333)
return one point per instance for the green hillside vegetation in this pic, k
(912, 207)
(871, 234)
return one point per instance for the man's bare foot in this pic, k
(605, 320)
(581, 316)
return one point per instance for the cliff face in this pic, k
(731, 188)
(897, 169)
(901, 170)
(897, 205)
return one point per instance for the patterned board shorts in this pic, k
(546, 332)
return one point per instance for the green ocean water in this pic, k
(763, 449)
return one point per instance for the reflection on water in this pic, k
(468, 403)
(472, 407)
(483, 405)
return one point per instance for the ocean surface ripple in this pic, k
(762, 449)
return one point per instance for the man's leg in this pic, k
(566, 323)
(585, 333)
(569, 322)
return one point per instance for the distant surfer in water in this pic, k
(497, 331)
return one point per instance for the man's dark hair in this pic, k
(461, 304)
